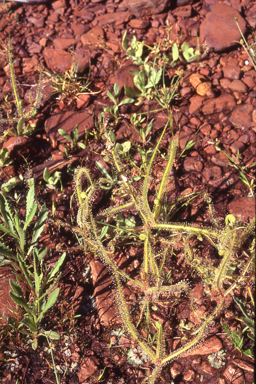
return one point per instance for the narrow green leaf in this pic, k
(50, 302)
(40, 223)
(20, 126)
(112, 97)
(125, 41)
(65, 134)
(75, 133)
(20, 301)
(46, 174)
(103, 232)
(56, 267)
(30, 216)
(42, 254)
(175, 52)
(25, 270)
(127, 100)
(30, 324)
(103, 171)
(16, 288)
(116, 89)
(129, 92)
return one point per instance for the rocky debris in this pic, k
(141, 8)
(234, 374)
(241, 116)
(176, 369)
(243, 208)
(219, 104)
(244, 365)
(221, 18)
(67, 121)
(105, 301)
(88, 368)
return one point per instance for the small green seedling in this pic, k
(113, 110)
(74, 139)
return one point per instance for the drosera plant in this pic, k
(149, 230)
(21, 122)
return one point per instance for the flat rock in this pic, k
(94, 37)
(221, 18)
(64, 43)
(241, 116)
(192, 165)
(67, 121)
(211, 345)
(59, 60)
(251, 16)
(219, 104)
(141, 8)
(113, 18)
(7, 305)
(243, 208)
(105, 300)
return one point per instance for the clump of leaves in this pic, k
(28, 262)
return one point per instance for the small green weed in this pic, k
(28, 262)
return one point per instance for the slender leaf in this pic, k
(29, 322)
(16, 288)
(65, 134)
(50, 302)
(46, 174)
(56, 267)
(25, 270)
(20, 301)
(6, 251)
(175, 52)
(40, 223)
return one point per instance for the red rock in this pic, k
(67, 121)
(238, 86)
(211, 345)
(138, 23)
(218, 104)
(16, 142)
(234, 374)
(141, 8)
(64, 43)
(124, 76)
(241, 116)
(222, 16)
(105, 301)
(192, 165)
(243, 208)
(83, 101)
(232, 72)
(94, 37)
(87, 369)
